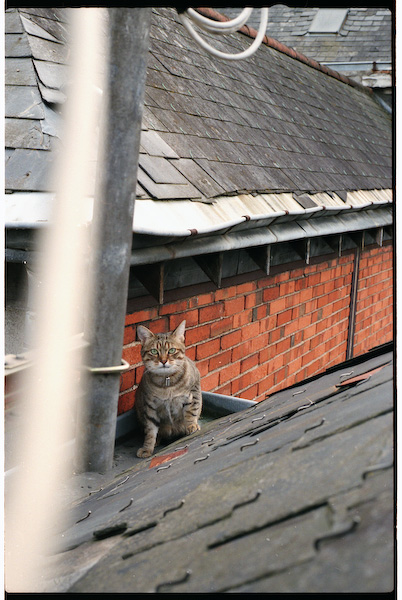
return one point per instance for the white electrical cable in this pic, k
(225, 27)
(217, 26)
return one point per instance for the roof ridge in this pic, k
(272, 43)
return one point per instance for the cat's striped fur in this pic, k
(168, 399)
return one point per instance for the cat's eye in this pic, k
(153, 351)
(172, 350)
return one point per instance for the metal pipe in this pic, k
(49, 391)
(383, 104)
(353, 304)
(113, 218)
(247, 238)
(224, 405)
(366, 65)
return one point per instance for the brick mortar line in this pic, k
(240, 328)
(374, 304)
(277, 327)
(295, 347)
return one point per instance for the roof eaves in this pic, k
(276, 45)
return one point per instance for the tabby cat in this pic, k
(168, 398)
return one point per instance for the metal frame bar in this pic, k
(113, 218)
(353, 302)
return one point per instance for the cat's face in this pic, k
(162, 353)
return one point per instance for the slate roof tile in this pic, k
(207, 186)
(25, 133)
(12, 23)
(168, 190)
(187, 146)
(55, 14)
(57, 28)
(292, 495)
(154, 145)
(365, 34)
(51, 74)
(34, 29)
(17, 45)
(20, 71)
(290, 124)
(233, 177)
(43, 49)
(51, 95)
(23, 102)
(160, 170)
(29, 169)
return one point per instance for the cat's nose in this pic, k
(164, 361)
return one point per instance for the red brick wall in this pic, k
(374, 313)
(252, 339)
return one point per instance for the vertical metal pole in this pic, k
(113, 219)
(32, 282)
(353, 304)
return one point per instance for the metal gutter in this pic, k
(230, 223)
(33, 209)
(294, 230)
(367, 65)
(113, 213)
(180, 219)
(218, 405)
(224, 405)
(150, 249)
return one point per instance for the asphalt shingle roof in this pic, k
(293, 495)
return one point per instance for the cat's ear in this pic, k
(143, 333)
(179, 331)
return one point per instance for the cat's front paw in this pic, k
(191, 428)
(144, 453)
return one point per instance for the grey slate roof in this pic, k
(35, 71)
(271, 123)
(292, 495)
(366, 34)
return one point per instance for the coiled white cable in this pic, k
(224, 27)
(217, 26)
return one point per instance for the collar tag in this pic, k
(167, 381)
